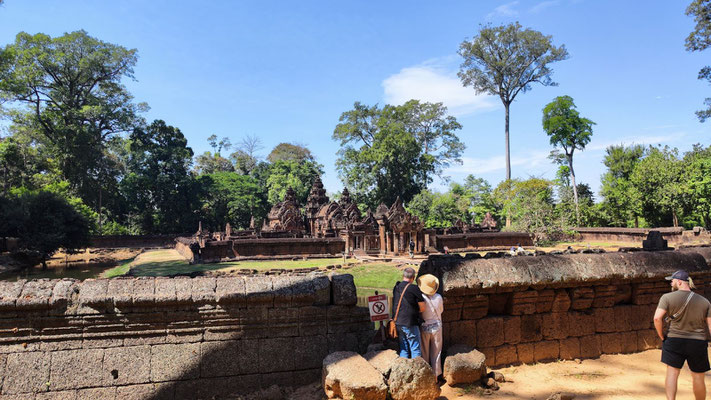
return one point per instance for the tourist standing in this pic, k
(690, 318)
(407, 306)
(431, 328)
(412, 248)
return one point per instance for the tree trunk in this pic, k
(508, 155)
(575, 188)
(675, 219)
(44, 263)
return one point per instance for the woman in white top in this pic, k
(431, 328)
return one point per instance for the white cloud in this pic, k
(543, 5)
(504, 10)
(641, 139)
(433, 82)
(478, 166)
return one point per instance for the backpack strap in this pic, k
(397, 310)
(678, 313)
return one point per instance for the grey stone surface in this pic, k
(229, 357)
(463, 365)
(203, 289)
(231, 290)
(26, 373)
(121, 291)
(164, 291)
(259, 291)
(63, 291)
(107, 393)
(127, 365)
(63, 395)
(144, 291)
(171, 362)
(75, 369)
(9, 292)
(344, 290)
(276, 355)
(347, 375)
(382, 360)
(35, 294)
(412, 379)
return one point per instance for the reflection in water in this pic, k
(83, 271)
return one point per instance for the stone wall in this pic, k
(674, 236)
(181, 338)
(133, 241)
(217, 250)
(535, 308)
(482, 240)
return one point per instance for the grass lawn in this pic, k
(285, 264)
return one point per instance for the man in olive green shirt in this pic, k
(686, 340)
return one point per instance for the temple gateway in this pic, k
(324, 227)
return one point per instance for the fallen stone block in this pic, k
(382, 360)
(463, 365)
(347, 375)
(412, 379)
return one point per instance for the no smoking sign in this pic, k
(378, 307)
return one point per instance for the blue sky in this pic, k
(285, 71)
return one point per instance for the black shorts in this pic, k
(695, 352)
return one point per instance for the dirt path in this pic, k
(619, 377)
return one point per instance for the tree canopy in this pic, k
(506, 60)
(700, 39)
(395, 150)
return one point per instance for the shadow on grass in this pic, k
(171, 268)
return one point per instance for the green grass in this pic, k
(118, 270)
(375, 275)
(284, 264)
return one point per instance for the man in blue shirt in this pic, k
(408, 315)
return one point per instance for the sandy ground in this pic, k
(624, 376)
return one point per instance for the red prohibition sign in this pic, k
(378, 307)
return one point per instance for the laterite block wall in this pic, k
(527, 309)
(181, 338)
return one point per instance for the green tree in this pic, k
(622, 202)
(43, 222)
(505, 61)
(567, 129)
(394, 150)
(285, 174)
(697, 179)
(530, 205)
(700, 39)
(158, 185)
(230, 197)
(68, 89)
(659, 180)
(290, 152)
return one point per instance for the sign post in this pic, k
(378, 307)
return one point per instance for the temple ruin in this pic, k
(325, 227)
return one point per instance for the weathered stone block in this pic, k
(623, 294)
(143, 292)
(339, 380)
(544, 301)
(230, 357)
(463, 332)
(604, 320)
(120, 290)
(531, 328)
(490, 332)
(103, 393)
(555, 325)
(641, 317)
(231, 290)
(259, 291)
(590, 346)
(569, 348)
(76, 369)
(580, 324)
(171, 362)
(26, 373)
(309, 351)
(546, 350)
(475, 307)
(312, 320)
(498, 302)
(9, 292)
(581, 298)
(452, 308)
(63, 395)
(344, 290)
(283, 322)
(525, 353)
(35, 294)
(283, 292)
(624, 317)
(137, 392)
(93, 295)
(183, 289)
(62, 292)
(611, 343)
(521, 303)
(604, 296)
(202, 290)
(127, 365)
(490, 354)
(561, 301)
(512, 329)
(628, 341)
(506, 355)
(648, 339)
(276, 355)
(164, 291)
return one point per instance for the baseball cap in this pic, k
(680, 275)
